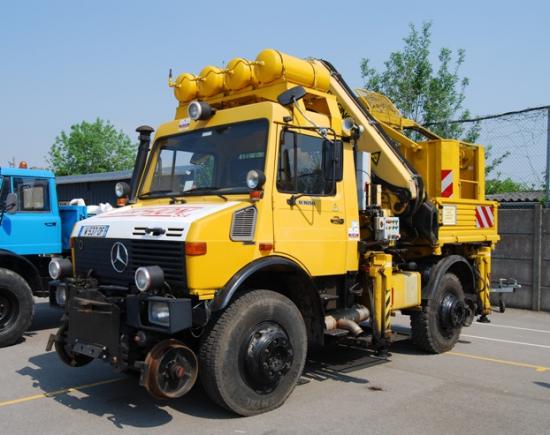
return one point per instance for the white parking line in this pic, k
(507, 341)
(544, 331)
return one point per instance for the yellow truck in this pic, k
(279, 210)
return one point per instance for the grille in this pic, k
(169, 232)
(243, 225)
(95, 253)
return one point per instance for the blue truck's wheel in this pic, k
(16, 307)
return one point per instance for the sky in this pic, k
(62, 62)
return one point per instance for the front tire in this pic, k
(437, 327)
(252, 357)
(16, 307)
(65, 354)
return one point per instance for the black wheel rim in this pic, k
(452, 313)
(9, 308)
(268, 356)
(174, 372)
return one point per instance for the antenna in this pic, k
(171, 82)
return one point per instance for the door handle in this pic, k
(50, 224)
(337, 220)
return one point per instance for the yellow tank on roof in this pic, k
(271, 66)
(239, 74)
(185, 87)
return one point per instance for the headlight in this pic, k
(60, 267)
(122, 189)
(150, 277)
(61, 295)
(199, 110)
(159, 313)
(255, 179)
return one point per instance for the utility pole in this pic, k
(547, 190)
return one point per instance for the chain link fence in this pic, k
(517, 146)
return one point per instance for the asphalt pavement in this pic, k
(496, 380)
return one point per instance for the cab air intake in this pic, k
(243, 225)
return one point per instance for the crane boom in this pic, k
(388, 165)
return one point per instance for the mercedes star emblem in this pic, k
(119, 257)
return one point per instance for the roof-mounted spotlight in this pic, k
(200, 110)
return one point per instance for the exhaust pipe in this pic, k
(348, 319)
(141, 158)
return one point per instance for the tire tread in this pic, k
(209, 353)
(421, 331)
(24, 294)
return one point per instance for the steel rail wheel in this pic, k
(171, 370)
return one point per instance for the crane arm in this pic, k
(388, 165)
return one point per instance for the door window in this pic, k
(4, 189)
(301, 160)
(32, 194)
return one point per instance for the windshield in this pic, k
(212, 160)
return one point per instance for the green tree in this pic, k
(506, 185)
(91, 147)
(433, 95)
(422, 92)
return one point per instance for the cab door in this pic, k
(35, 228)
(309, 213)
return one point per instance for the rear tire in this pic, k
(16, 307)
(254, 354)
(437, 327)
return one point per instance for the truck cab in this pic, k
(36, 227)
(33, 228)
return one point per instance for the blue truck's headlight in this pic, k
(159, 313)
(60, 268)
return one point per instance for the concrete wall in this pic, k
(524, 254)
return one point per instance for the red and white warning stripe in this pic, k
(446, 183)
(485, 217)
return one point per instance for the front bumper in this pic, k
(117, 328)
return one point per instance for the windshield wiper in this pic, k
(160, 194)
(205, 189)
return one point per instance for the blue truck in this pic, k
(33, 228)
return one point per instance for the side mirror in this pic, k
(11, 203)
(328, 160)
(291, 96)
(332, 166)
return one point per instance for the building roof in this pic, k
(530, 196)
(94, 178)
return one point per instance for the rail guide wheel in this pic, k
(171, 370)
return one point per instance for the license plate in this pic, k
(94, 231)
